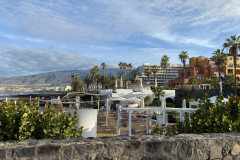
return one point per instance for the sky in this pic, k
(38, 36)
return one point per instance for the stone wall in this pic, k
(184, 146)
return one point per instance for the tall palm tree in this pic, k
(130, 69)
(88, 80)
(220, 59)
(76, 84)
(103, 67)
(120, 64)
(183, 56)
(233, 45)
(94, 72)
(154, 71)
(158, 91)
(148, 72)
(124, 65)
(164, 64)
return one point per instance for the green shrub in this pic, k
(170, 105)
(210, 118)
(155, 102)
(21, 121)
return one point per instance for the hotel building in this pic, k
(172, 73)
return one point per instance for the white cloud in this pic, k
(15, 61)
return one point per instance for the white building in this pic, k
(172, 73)
(68, 88)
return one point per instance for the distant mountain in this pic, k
(53, 78)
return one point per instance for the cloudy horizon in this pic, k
(44, 36)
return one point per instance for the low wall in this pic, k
(183, 146)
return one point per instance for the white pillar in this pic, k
(220, 84)
(121, 83)
(164, 118)
(92, 100)
(181, 116)
(148, 121)
(130, 122)
(98, 103)
(77, 100)
(107, 112)
(119, 121)
(141, 85)
(116, 84)
(155, 82)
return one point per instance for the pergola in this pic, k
(148, 110)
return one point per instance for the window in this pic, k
(206, 70)
(197, 71)
(213, 64)
(237, 59)
(230, 58)
(230, 65)
(199, 77)
(214, 69)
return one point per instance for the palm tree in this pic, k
(135, 73)
(88, 80)
(183, 56)
(130, 69)
(154, 71)
(120, 64)
(94, 72)
(103, 67)
(124, 65)
(158, 91)
(148, 72)
(233, 47)
(76, 84)
(164, 64)
(220, 59)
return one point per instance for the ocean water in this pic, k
(16, 93)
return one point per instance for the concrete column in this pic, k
(130, 122)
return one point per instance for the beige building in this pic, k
(172, 73)
(229, 67)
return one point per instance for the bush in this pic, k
(155, 102)
(210, 118)
(170, 105)
(26, 122)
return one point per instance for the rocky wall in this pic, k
(184, 146)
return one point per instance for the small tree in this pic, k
(158, 91)
(229, 80)
(192, 81)
(213, 81)
(147, 100)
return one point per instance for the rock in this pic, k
(216, 152)
(228, 157)
(235, 150)
(48, 151)
(25, 152)
(3, 154)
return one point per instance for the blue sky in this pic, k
(41, 36)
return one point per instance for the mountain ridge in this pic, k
(53, 78)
